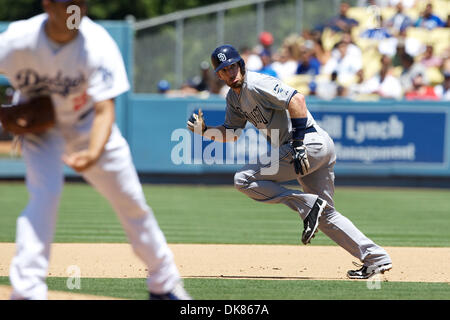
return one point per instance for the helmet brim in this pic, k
(227, 63)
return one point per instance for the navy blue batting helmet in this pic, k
(225, 56)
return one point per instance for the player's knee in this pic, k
(329, 217)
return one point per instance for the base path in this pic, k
(239, 261)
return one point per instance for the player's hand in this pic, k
(80, 161)
(299, 157)
(196, 123)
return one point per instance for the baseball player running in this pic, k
(82, 71)
(306, 153)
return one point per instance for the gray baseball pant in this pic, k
(318, 182)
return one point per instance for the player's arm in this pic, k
(101, 130)
(297, 107)
(299, 118)
(221, 134)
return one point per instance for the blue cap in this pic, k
(163, 85)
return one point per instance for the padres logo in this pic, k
(222, 57)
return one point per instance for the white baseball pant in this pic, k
(115, 177)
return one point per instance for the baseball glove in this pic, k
(34, 116)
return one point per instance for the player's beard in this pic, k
(237, 84)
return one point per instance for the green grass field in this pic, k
(220, 214)
(233, 289)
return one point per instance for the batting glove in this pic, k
(299, 157)
(196, 123)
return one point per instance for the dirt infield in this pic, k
(235, 261)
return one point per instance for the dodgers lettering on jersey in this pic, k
(78, 74)
(263, 101)
(31, 82)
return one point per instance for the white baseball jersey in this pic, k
(263, 101)
(78, 74)
(89, 69)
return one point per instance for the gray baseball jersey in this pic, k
(263, 101)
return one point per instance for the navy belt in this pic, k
(310, 129)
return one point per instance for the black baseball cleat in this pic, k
(311, 221)
(365, 272)
(177, 293)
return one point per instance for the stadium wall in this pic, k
(373, 139)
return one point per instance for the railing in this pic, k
(172, 46)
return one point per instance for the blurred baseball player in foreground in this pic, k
(80, 72)
(306, 153)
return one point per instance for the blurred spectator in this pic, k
(428, 19)
(407, 4)
(327, 89)
(266, 40)
(266, 59)
(352, 49)
(396, 46)
(387, 3)
(346, 65)
(341, 22)
(399, 52)
(410, 71)
(384, 84)
(341, 91)
(252, 60)
(443, 90)
(285, 65)
(399, 20)
(320, 52)
(378, 3)
(446, 65)
(201, 83)
(377, 33)
(429, 60)
(447, 23)
(186, 89)
(163, 86)
(391, 47)
(308, 63)
(312, 88)
(420, 91)
(359, 87)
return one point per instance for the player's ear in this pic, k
(218, 75)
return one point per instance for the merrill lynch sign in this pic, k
(369, 137)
